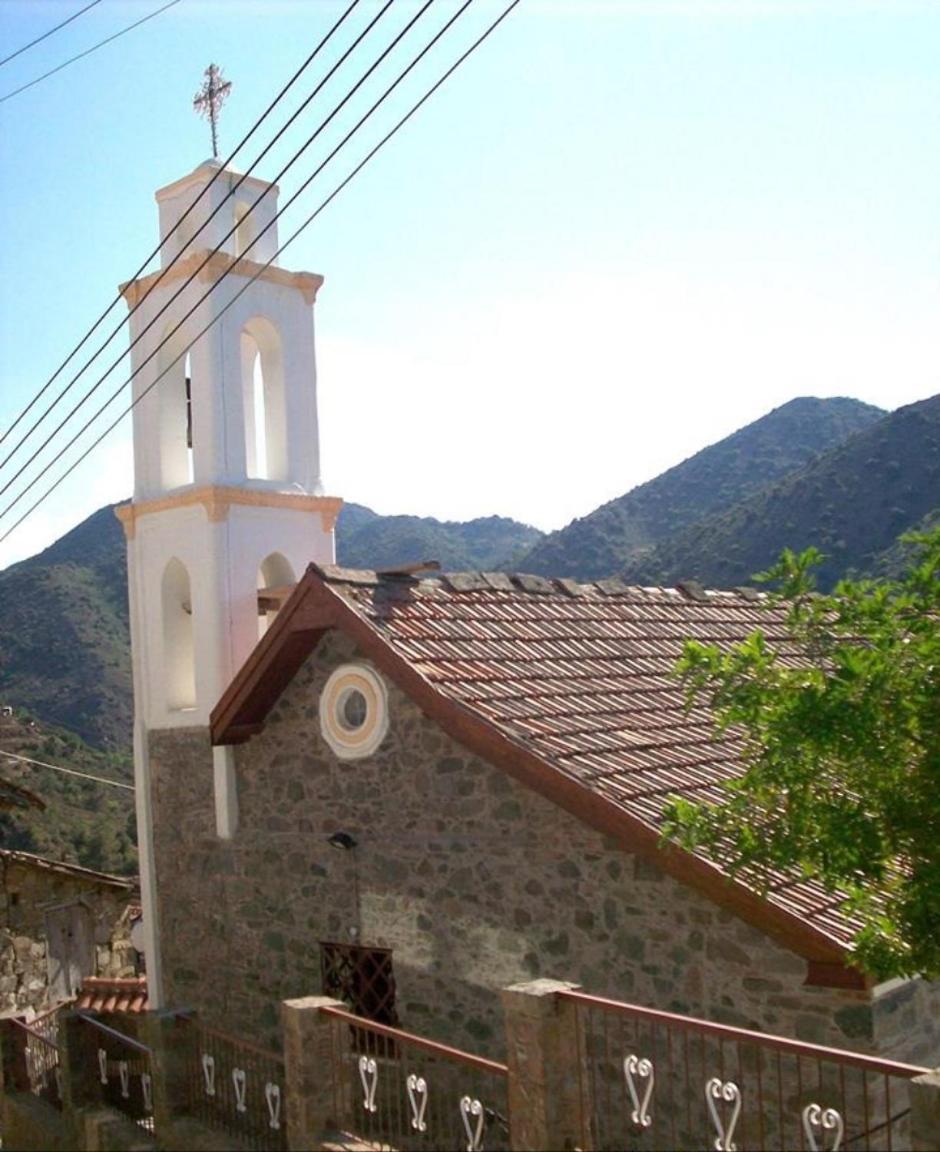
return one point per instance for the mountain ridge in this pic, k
(718, 476)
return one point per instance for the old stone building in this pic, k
(60, 923)
(454, 784)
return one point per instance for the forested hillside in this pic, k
(713, 480)
(851, 502)
(83, 822)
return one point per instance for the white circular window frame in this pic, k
(354, 743)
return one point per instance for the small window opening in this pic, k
(353, 709)
(275, 572)
(363, 978)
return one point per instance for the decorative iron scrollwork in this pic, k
(639, 1067)
(369, 1075)
(124, 1071)
(728, 1091)
(826, 1120)
(474, 1128)
(272, 1097)
(103, 1065)
(418, 1099)
(146, 1087)
(208, 1072)
(239, 1084)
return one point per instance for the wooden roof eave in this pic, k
(315, 607)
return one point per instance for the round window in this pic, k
(354, 711)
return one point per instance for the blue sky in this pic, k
(619, 232)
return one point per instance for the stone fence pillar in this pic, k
(14, 1075)
(169, 1036)
(314, 1100)
(925, 1112)
(548, 1103)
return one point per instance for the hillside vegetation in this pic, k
(84, 822)
(851, 502)
(713, 480)
(366, 540)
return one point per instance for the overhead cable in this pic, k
(87, 52)
(262, 268)
(46, 35)
(117, 299)
(67, 771)
(214, 251)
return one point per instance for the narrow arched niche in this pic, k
(244, 230)
(179, 666)
(275, 572)
(174, 390)
(264, 401)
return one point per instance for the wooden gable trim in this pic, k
(315, 607)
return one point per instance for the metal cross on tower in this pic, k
(209, 99)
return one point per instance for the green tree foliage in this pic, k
(841, 775)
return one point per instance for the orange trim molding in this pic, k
(309, 283)
(217, 501)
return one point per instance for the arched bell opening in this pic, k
(264, 401)
(179, 664)
(275, 579)
(174, 402)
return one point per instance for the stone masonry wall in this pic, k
(27, 893)
(474, 881)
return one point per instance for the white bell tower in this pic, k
(227, 494)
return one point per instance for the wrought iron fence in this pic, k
(653, 1080)
(237, 1087)
(122, 1070)
(39, 1054)
(393, 1089)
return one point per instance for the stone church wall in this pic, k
(474, 881)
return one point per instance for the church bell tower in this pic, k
(228, 498)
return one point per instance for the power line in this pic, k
(97, 324)
(66, 771)
(46, 35)
(179, 254)
(195, 273)
(87, 52)
(369, 156)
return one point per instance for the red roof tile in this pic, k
(100, 994)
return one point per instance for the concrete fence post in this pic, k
(548, 1092)
(925, 1112)
(315, 1088)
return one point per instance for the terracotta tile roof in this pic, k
(99, 994)
(579, 676)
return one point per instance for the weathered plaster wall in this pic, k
(473, 880)
(26, 895)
